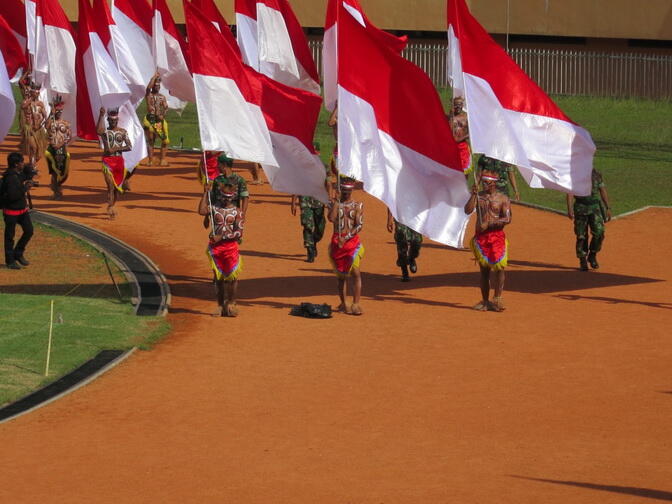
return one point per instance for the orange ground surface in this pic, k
(564, 398)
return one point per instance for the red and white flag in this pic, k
(291, 115)
(282, 48)
(12, 59)
(229, 109)
(330, 49)
(133, 19)
(170, 53)
(14, 12)
(119, 49)
(510, 116)
(100, 83)
(246, 31)
(55, 55)
(210, 10)
(393, 135)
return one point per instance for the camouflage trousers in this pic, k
(313, 222)
(408, 243)
(583, 222)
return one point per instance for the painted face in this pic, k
(58, 113)
(157, 87)
(112, 121)
(458, 105)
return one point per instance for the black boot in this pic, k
(311, 254)
(583, 264)
(413, 266)
(404, 274)
(23, 261)
(592, 259)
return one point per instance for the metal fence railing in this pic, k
(563, 72)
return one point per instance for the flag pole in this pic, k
(508, 23)
(51, 327)
(207, 179)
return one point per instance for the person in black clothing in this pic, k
(13, 191)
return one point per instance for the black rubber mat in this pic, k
(153, 290)
(61, 385)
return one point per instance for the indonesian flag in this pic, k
(393, 135)
(283, 52)
(12, 59)
(55, 56)
(510, 117)
(229, 112)
(329, 47)
(119, 49)
(14, 12)
(100, 83)
(170, 53)
(291, 115)
(210, 10)
(246, 31)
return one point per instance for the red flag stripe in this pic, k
(138, 11)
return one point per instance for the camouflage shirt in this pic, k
(500, 168)
(310, 202)
(588, 204)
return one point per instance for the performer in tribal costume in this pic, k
(346, 250)
(505, 171)
(32, 119)
(115, 143)
(408, 246)
(223, 248)
(489, 244)
(58, 157)
(154, 123)
(589, 212)
(459, 124)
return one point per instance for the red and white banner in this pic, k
(100, 83)
(119, 49)
(393, 135)
(55, 55)
(510, 116)
(229, 112)
(170, 53)
(291, 115)
(273, 43)
(330, 50)
(12, 59)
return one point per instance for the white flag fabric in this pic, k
(394, 136)
(55, 56)
(170, 53)
(229, 112)
(120, 51)
(510, 116)
(246, 31)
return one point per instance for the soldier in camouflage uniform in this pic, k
(408, 246)
(506, 174)
(589, 212)
(313, 222)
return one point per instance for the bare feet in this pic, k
(111, 213)
(481, 306)
(231, 309)
(356, 309)
(163, 162)
(497, 305)
(343, 308)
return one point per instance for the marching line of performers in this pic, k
(225, 199)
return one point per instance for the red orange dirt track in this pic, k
(564, 398)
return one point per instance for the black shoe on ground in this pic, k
(311, 255)
(592, 259)
(583, 264)
(413, 266)
(23, 261)
(14, 265)
(315, 251)
(404, 274)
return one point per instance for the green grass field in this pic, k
(89, 316)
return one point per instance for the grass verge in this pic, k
(89, 315)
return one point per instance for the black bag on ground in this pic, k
(310, 310)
